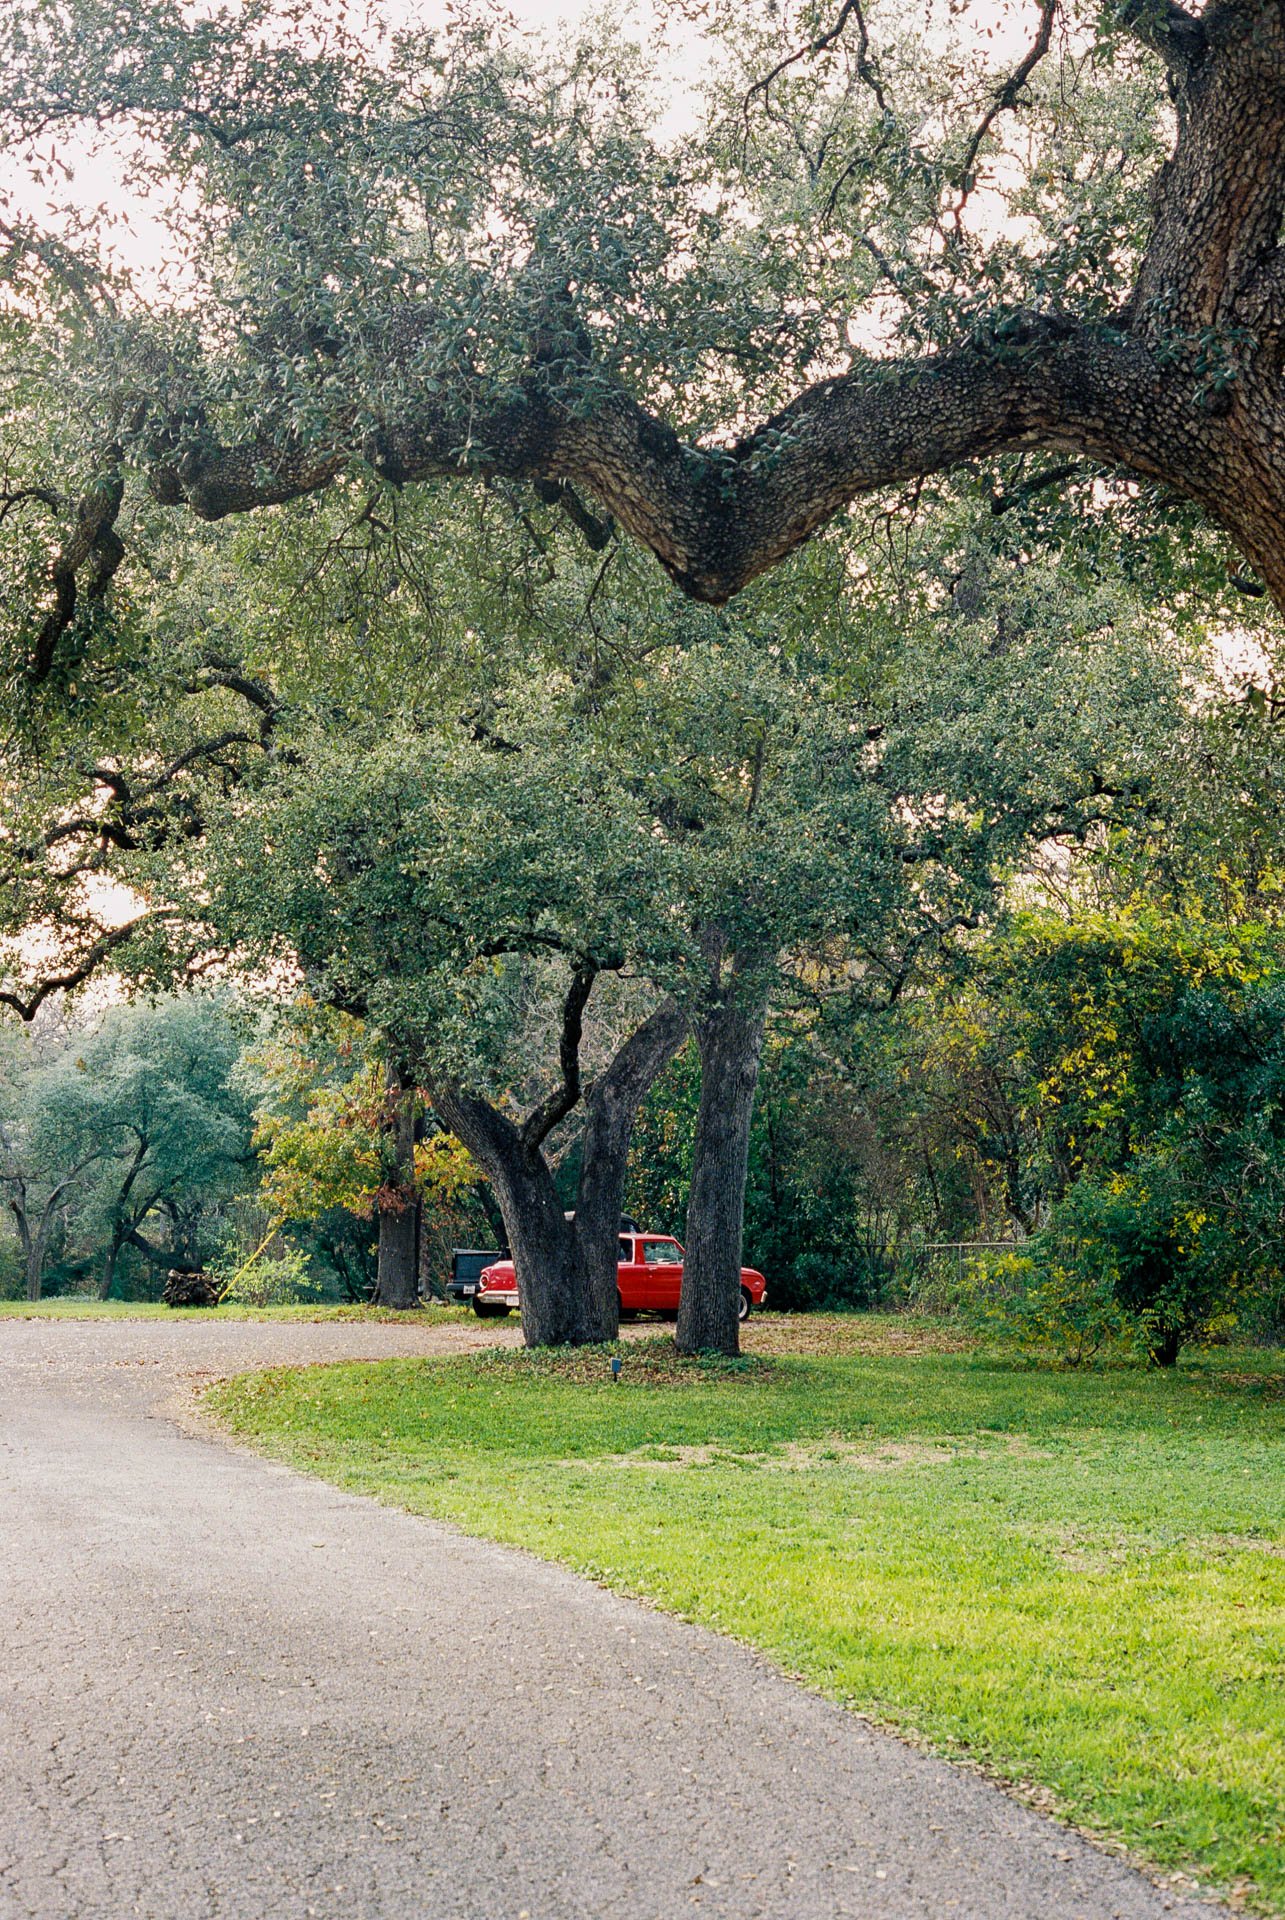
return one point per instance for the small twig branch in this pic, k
(1006, 98)
(850, 10)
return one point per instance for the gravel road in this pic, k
(233, 1693)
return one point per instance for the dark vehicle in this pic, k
(466, 1265)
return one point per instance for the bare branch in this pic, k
(76, 975)
(1006, 98)
(850, 10)
(540, 1123)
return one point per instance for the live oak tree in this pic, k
(596, 776)
(244, 680)
(456, 889)
(846, 794)
(131, 1131)
(452, 258)
(567, 1264)
(168, 1105)
(692, 801)
(45, 1149)
(447, 255)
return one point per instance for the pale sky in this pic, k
(138, 238)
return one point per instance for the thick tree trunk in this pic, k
(109, 1267)
(612, 1109)
(33, 1248)
(730, 1037)
(397, 1281)
(35, 1266)
(566, 1268)
(546, 1254)
(542, 1241)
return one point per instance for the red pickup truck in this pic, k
(650, 1275)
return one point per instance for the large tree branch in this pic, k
(489, 1133)
(87, 1160)
(218, 671)
(490, 1136)
(1165, 28)
(557, 1104)
(718, 516)
(621, 1087)
(18, 1208)
(714, 517)
(92, 547)
(159, 1256)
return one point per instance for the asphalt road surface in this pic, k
(233, 1693)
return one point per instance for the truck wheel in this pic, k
(746, 1306)
(490, 1310)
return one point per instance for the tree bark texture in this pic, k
(730, 1037)
(109, 1267)
(1182, 385)
(542, 1241)
(397, 1273)
(566, 1268)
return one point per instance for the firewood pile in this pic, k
(185, 1288)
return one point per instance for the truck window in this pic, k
(662, 1253)
(626, 1249)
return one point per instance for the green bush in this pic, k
(1128, 1262)
(278, 1279)
(1173, 1267)
(1046, 1298)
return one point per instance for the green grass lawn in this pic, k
(1076, 1579)
(79, 1308)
